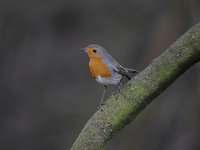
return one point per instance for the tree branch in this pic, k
(140, 91)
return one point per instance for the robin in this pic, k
(105, 69)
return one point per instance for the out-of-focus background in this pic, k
(47, 94)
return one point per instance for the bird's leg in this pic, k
(102, 98)
(119, 88)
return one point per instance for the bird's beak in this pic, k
(83, 49)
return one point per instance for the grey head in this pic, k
(100, 50)
(103, 53)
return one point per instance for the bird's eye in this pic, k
(94, 50)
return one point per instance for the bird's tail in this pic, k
(132, 70)
(128, 70)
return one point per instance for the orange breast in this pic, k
(98, 68)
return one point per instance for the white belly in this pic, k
(109, 81)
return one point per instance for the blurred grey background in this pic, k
(47, 93)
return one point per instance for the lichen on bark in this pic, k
(140, 91)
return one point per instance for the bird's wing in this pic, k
(121, 70)
(117, 67)
(125, 71)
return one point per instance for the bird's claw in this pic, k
(100, 106)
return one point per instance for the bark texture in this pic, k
(140, 91)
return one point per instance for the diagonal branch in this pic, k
(140, 91)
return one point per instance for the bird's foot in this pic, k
(100, 107)
(116, 94)
(117, 97)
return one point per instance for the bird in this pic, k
(105, 69)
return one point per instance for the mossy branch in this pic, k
(140, 91)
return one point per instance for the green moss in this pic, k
(140, 91)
